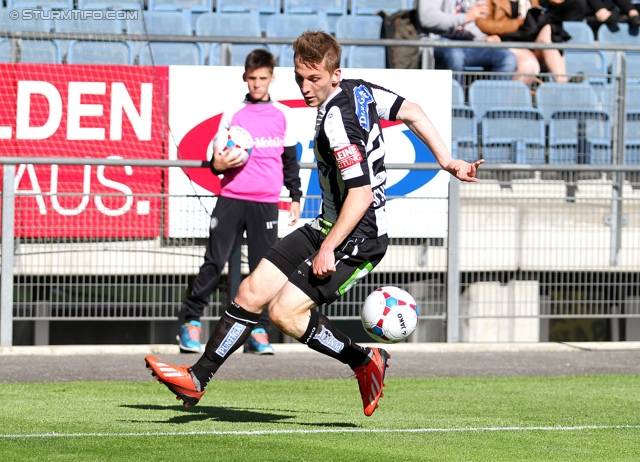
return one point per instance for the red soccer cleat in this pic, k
(177, 379)
(371, 379)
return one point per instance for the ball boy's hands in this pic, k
(230, 158)
(464, 171)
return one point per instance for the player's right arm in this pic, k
(419, 123)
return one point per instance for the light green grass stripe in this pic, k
(344, 430)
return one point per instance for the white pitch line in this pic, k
(320, 430)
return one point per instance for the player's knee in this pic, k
(277, 315)
(247, 297)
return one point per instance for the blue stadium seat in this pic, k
(357, 27)
(228, 25)
(232, 25)
(330, 9)
(552, 97)
(193, 6)
(39, 51)
(592, 64)
(111, 5)
(86, 52)
(618, 34)
(245, 6)
(457, 94)
(579, 31)
(11, 25)
(579, 130)
(632, 140)
(40, 4)
(191, 9)
(369, 57)
(498, 94)
(238, 53)
(371, 7)
(170, 53)
(464, 126)
(264, 8)
(607, 99)
(292, 25)
(85, 26)
(285, 58)
(5, 51)
(336, 7)
(513, 136)
(580, 137)
(89, 26)
(159, 23)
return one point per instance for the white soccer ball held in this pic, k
(234, 141)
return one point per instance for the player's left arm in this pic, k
(353, 209)
(419, 123)
(291, 171)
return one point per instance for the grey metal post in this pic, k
(8, 234)
(453, 267)
(618, 158)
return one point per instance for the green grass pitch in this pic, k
(575, 418)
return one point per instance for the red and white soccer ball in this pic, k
(389, 314)
(232, 139)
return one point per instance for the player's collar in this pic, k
(250, 101)
(323, 107)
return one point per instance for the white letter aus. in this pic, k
(123, 188)
(86, 189)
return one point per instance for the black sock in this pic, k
(323, 337)
(232, 330)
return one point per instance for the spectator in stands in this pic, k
(508, 20)
(456, 20)
(248, 198)
(605, 11)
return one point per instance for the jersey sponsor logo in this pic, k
(348, 156)
(230, 339)
(363, 99)
(327, 339)
(270, 142)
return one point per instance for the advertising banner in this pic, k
(84, 111)
(200, 95)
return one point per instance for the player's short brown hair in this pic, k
(258, 59)
(312, 48)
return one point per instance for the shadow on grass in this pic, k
(225, 414)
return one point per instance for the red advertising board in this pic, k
(84, 111)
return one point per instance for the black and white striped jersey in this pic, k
(349, 149)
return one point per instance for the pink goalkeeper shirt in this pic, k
(261, 178)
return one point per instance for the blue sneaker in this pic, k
(258, 343)
(189, 338)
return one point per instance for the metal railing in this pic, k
(518, 249)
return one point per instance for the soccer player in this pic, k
(322, 260)
(248, 198)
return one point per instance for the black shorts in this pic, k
(355, 259)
